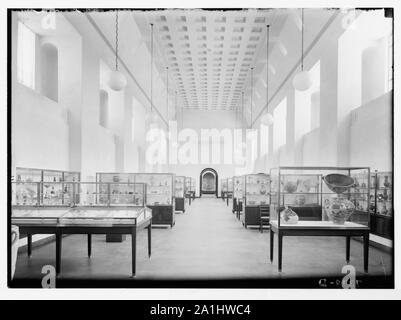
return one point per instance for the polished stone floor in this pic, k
(207, 242)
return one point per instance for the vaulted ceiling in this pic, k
(210, 53)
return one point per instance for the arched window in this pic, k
(104, 108)
(49, 71)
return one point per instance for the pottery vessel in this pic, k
(289, 216)
(338, 209)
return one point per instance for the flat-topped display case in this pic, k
(180, 192)
(256, 194)
(160, 192)
(238, 194)
(320, 201)
(381, 204)
(87, 218)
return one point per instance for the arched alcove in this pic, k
(103, 108)
(49, 71)
(208, 181)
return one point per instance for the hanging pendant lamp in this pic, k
(267, 118)
(302, 80)
(151, 116)
(117, 80)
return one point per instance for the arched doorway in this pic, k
(208, 180)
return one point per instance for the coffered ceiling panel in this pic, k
(209, 53)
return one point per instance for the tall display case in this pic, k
(193, 188)
(238, 194)
(256, 194)
(160, 192)
(381, 204)
(223, 188)
(52, 191)
(180, 191)
(320, 201)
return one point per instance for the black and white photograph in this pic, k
(245, 147)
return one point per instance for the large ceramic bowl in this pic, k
(338, 209)
(338, 183)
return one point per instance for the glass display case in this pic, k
(381, 204)
(238, 194)
(313, 193)
(79, 194)
(320, 201)
(193, 188)
(160, 192)
(52, 191)
(223, 188)
(180, 192)
(257, 189)
(256, 194)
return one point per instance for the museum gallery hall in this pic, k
(179, 145)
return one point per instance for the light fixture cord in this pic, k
(267, 66)
(242, 113)
(251, 94)
(302, 57)
(116, 40)
(167, 92)
(151, 69)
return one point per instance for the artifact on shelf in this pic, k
(338, 208)
(338, 183)
(289, 216)
(290, 187)
(300, 200)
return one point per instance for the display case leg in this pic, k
(133, 248)
(366, 251)
(271, 245)
(348, 248)
(150, 240)
(29, 244)
(280, 251)
(59, 246)
(89, 245)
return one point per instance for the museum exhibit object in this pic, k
(179, 193)
(256, 194)
(97, 208)
(320, 201)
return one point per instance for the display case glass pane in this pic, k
(159, 187)
(257, 189)
(188, 185)
(238, 187)
(230, 185)
(25, 193)
(384, 194)
(224, 185)
(179, 186)
(333, 195)
(193, 184)
(28, 175)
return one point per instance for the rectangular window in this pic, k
(280, 125)
(26, 56)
